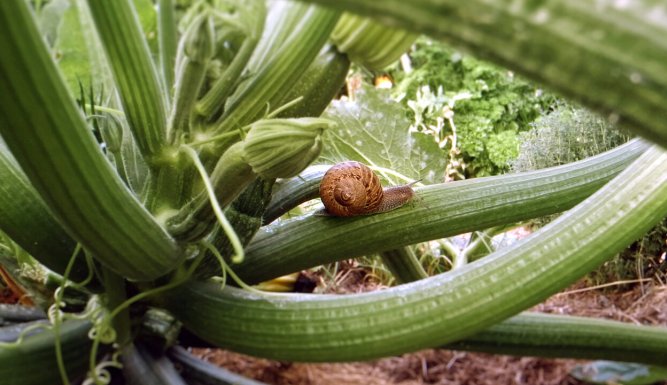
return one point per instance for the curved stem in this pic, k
(440, 211)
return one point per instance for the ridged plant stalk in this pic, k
(616, 49)
(282, 68)
(18, 365)
(168, 40)
(558, 336)
(198, 47)
(26, 219)
(214, 99)
(469, 205)
(141, 92)
(403, 264)
(358, 37)
(439, 309)
(50, 139)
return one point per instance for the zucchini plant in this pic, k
(137, 204)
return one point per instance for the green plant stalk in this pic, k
(441, 309)
(230, 177)
(403, 264)
(268, 85)
(144, 100)
(48, 136)
(137, 81)
(33, 362)
(215, 97)
(197, 45)
(438, 211)
(358, 37)
(245, 215)
(115, 294)
(571, 46)
(289, 193)
(480, 243)
(25, 218)
(223, 87)
(167, 40)
(547, 335)
(318, 85)
(280, 21)
(558, 336)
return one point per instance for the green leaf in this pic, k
(373, 129)
(610, 372)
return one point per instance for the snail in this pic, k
(351, 188)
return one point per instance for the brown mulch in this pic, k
(639, 304)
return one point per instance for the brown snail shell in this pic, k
(351, 188)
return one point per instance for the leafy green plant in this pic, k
(475, 110)
(566, 134)
(144, 250)
(569, 134)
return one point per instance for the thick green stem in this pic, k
(439, 211)
(273, 78)
(140, 91)
(167, 39)
(403, 264)
(197, 45)
(26, 219)
(50, 139)
(557, 336)
(115, 294)
(214, 99)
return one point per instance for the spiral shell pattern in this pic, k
(351, 188)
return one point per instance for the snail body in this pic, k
(351, 188)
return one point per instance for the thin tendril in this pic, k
(23, 334)
(216, 138)
(224, 223)
(284, 107)
(105, 109)
(225, 268)
(160, 289)
(57, 317)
